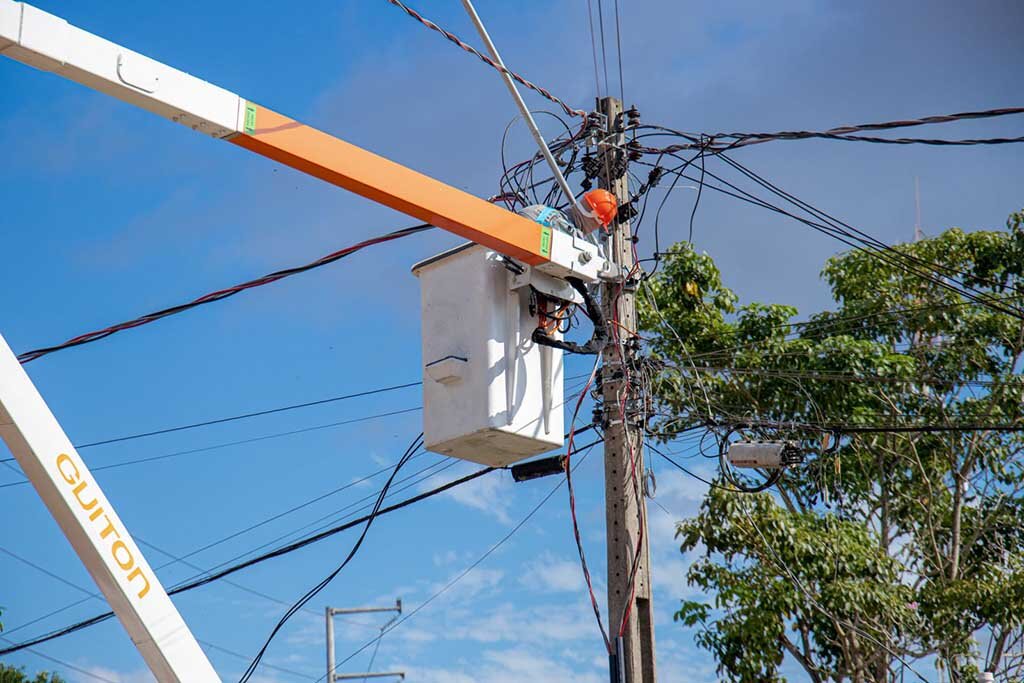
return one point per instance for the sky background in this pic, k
(109, 212)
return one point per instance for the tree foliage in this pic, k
(10, 674)
(893, 551)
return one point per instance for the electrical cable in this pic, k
(476, 563)
(417, 480)
(618, 51)
(593, 47)
(847, 133)
(844, 132)
(485, 59)
(604, 51)
(278, 552)
(692, 474)
(227, 444)
(312, 592)
(245, 416)
(70, 667)
(96, 335)
(863, 237)
(852, 241)
(90, 594)
(272, 667)
(572, 508)
(700, 192)
(261, 413)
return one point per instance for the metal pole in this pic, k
(626, 509)
(328, 613)
(523, 109)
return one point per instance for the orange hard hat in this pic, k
(603, 205)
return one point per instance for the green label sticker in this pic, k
(545, 241)
(250, 117)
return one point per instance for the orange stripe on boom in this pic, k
(326, 157)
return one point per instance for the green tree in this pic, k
(893, 551)
(9, 674)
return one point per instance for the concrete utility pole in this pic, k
(626, 510)
(329, 614)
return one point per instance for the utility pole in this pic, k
(626, 507)
(329, 614)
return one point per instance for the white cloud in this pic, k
(489, 494)
(100, 673)
(472, 585)
(514, 623)
(506, 666)
(548, 573)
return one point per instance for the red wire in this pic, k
(572, 512)
(96, 335)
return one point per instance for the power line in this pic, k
(593, 47)
(278, 552)
(604, 50)
(273, 667)
(221, 541)
(862, 237)
(66, 665)
(90, 594)
(270, 411)
(847, 133)
(476, 563)
(487, 60)
(96, 335)
(312, 592)
(877, 249)
(844, 377)
(227, 444)
(618, 51)
(854, 428)
(245, 416)
(844, 132)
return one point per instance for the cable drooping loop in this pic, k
(543, 92)
(312, 592)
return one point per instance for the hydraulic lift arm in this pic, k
(50, 43)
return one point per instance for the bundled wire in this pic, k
(221, 294)
(312, 592)
(845, 132)
(727, 141)
(517, 184)
(543, 92)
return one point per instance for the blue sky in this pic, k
(108, 212)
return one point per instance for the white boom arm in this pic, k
(97, 534)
